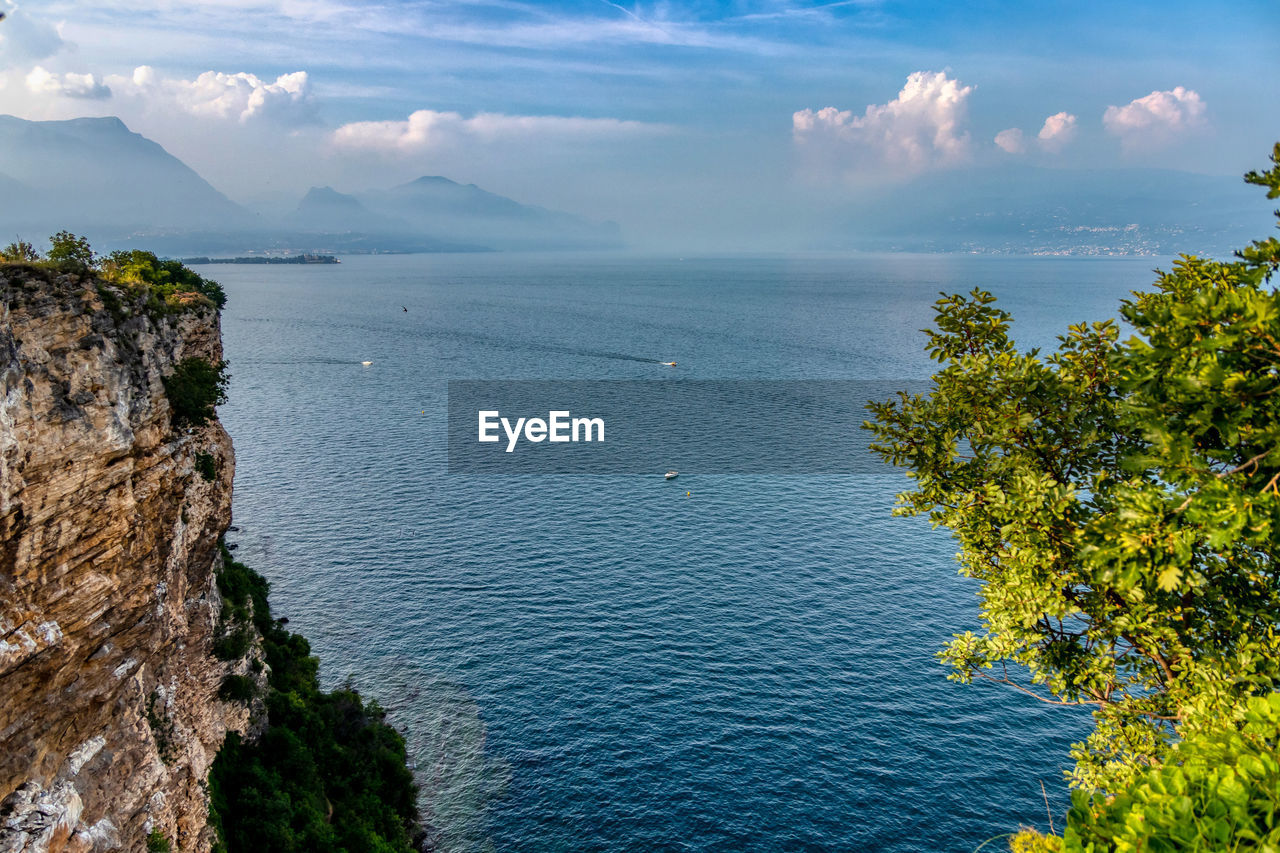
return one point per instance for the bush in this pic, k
(194, 388)
(1030, 841)
(19, 252)
(164, 280)
(233, 645)
(244, 594)
(237, 688)
(206, 466)
(327, 775)
(157, 843)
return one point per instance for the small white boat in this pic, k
(667, 363)
(366, 363)
(671, 475)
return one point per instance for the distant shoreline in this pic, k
(263, 259)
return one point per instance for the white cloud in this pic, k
(1155, 120)
(241, 97)
(426, 129)
(1058, 130)
(1012, 141)
(919, 129)
(24, 39)
(68, 85)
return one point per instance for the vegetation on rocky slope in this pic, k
(168, 285)
(195, 388)
(328, 775)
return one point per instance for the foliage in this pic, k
(166, 286)
(194, 388)
(328, 775)
(1219, 789)
(1029, 841)
(68, 251)
(1118, 501)
(157, 843)
(164, 280)
(206, 465)
(233, 644)
(237, 688)
(244, 593)
(19, 252)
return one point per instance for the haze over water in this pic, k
(608, 663)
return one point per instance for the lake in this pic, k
(622, 663)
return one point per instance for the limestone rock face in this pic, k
(109, 714)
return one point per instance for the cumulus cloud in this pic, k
(1058, 130)
(68, 85)
(1012, 141)
(426, 129)
(1155, 120)
(919, 129)
(240, 97)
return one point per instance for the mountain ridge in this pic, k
(95, 176)
(95, 171)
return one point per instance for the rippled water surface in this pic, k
(608, 663)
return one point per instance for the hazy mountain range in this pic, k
(93, 172)
(96, 177)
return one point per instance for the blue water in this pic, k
(608, 663)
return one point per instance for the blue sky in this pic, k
(667, 117)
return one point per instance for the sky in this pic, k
(727, 123)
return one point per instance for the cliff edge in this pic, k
(110, 518)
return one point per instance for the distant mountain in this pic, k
(1057, 211)
(328, 201)
(433, 195)
(94, 175)
(461, 214)
(326, 209)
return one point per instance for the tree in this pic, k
(19, 251)
(70, 251)
(1119, 502)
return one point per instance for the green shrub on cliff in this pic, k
(194, 388)
(237, 688)
(19, 252)
(165, 280)
(206, 465)
(167, 286)
(328, 775)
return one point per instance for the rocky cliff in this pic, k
(109, 709)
